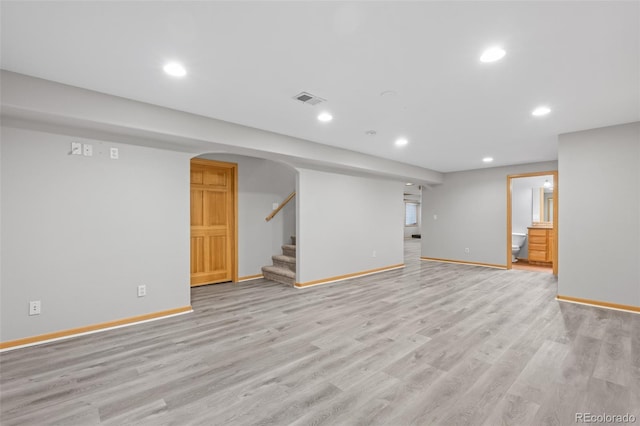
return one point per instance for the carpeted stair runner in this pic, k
(283, 269)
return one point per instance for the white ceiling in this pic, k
(246, 60)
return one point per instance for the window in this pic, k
(410, 214)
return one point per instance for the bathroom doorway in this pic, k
(532, 221)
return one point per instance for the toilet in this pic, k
(517, 241)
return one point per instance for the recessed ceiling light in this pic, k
(370, 133)
(408, 184)
(540, 111)
(487, 159)
(175, 69)
(401, 142)
(325, 117)
(388, 93)
(492, 54)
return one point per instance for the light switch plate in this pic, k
(87, 150)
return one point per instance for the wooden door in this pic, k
(213, 222)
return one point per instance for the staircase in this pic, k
(283, 269)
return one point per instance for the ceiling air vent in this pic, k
(308, 98)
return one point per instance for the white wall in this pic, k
(81, 233)
(471, 210)
(343, 220)
(599, 254)
(260, 184)
(521, 204)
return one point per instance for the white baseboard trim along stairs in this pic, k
(283, 269)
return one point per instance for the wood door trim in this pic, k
(204, 162)
(556, 190)
(234, 267)
(234, 243)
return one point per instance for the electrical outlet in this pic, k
(114, 153)
(34, 307)
(76, 148)
(87, 150)
(142, 290)
(374, 254)
(466, 250)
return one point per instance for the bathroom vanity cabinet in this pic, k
(541, 245)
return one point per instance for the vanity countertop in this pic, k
(539, 225)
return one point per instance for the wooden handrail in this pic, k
(284, 203)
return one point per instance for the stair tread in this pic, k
(284, 258)
(279, 271)
(289, 246)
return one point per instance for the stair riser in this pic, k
(285, 265)
(279, 278)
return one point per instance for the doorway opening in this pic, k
(412, 221)
(532, 221)
(412, 211)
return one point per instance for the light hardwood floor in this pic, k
(431, 344)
